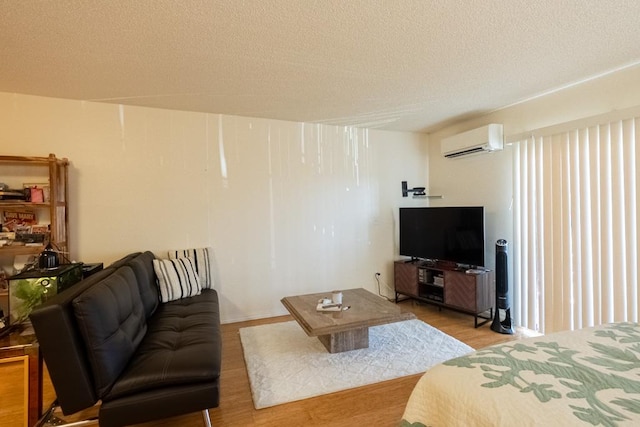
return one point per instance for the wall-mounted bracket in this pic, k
(418, 192)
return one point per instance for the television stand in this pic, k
(447, 286)
(446, 265)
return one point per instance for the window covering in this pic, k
(576, 227)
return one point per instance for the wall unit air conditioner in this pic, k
(481, 140)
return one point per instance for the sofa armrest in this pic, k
(63, 348)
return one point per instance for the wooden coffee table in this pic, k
(344, 330)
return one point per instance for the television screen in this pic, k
(454, 234)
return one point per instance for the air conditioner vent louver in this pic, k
(464, 153)
(476, 141)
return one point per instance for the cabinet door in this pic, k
(486, 291)
(460, 290)
(405, 277)
(14, 391)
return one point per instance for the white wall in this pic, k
(289, 208)
(481, 180)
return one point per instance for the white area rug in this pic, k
(284, 364)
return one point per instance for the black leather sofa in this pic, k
(108, 339)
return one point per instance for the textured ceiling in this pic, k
(411, 65)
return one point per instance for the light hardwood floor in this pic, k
(377, 405)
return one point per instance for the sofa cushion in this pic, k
(142, 266)
(112, 323)
(203, 262)
(177, 278)
(182, 346)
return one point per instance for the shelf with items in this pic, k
(431, 292)
(21, 249)
(43, 183)
(23, 205)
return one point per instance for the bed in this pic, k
(585, 377)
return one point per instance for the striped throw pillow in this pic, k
(177, 278)
(203, 262)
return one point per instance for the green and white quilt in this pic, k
(585, 377)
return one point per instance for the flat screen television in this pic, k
(451, 234)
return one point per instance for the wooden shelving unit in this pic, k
(16, 171)
(20, 360)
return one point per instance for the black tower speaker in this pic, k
(503, 326)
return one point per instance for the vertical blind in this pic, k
(576, 227)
